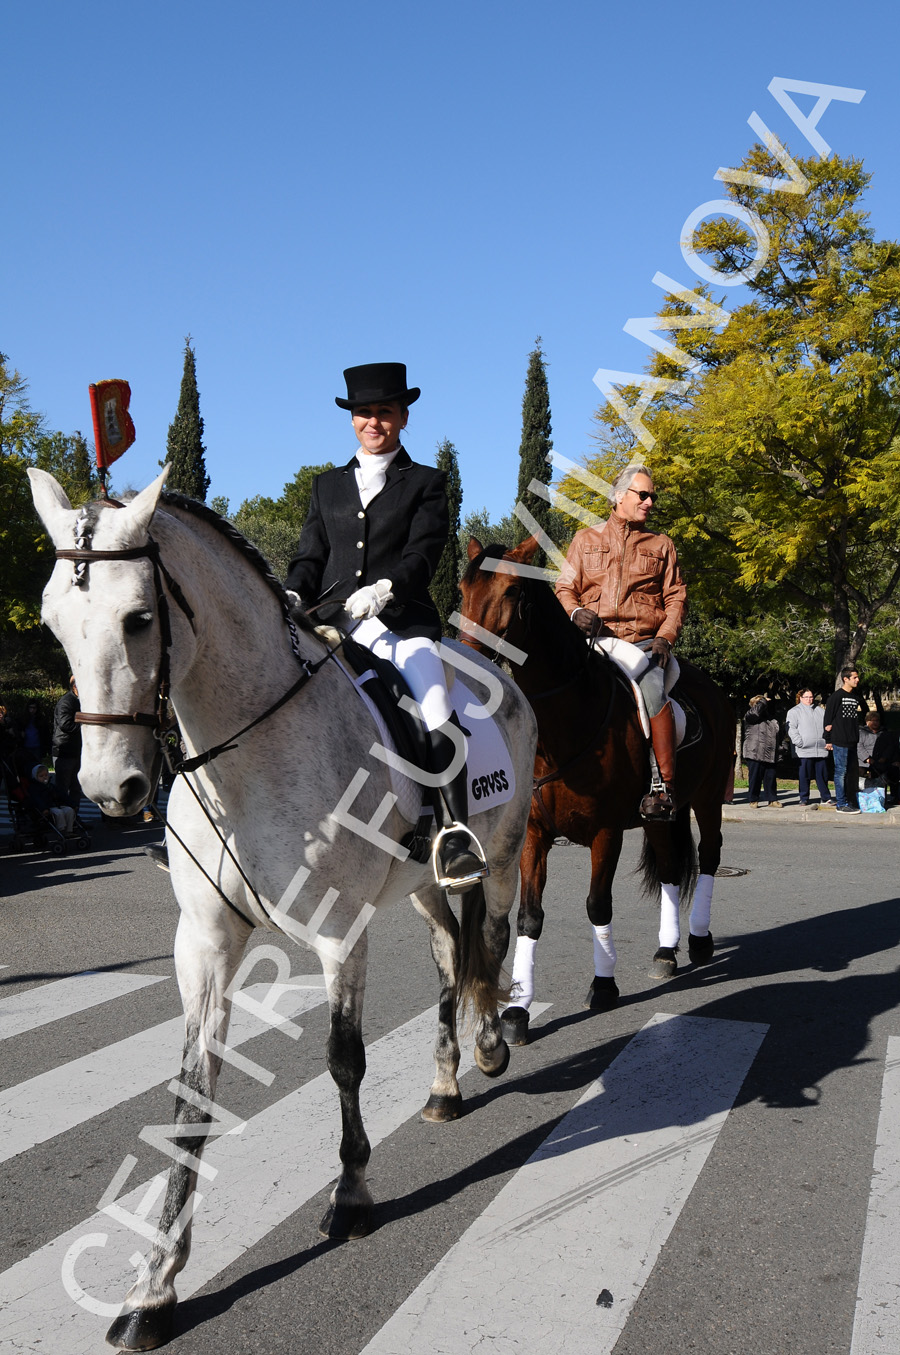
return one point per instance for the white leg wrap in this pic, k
(522, 993)
(669, 921)
(604, 952)
(700, 908)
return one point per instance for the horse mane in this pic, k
(252, 554)
(549, 616)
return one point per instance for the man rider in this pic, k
(622, 580)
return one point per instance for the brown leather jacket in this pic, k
(629, 577)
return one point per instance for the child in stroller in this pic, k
(39, 816)
(45, 798)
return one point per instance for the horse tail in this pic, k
(479, 984)
(683, 856)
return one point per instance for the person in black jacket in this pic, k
(842, 711)
(66, 746)
(372, 539)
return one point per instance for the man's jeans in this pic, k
(845, 773)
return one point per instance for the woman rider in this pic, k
(372, 539)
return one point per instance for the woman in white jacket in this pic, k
(804, 727)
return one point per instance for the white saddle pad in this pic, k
(491, 777)
(633, 662)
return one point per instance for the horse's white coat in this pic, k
(272, 799)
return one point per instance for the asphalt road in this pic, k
(758, 1246)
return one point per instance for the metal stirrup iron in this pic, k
(446, 881)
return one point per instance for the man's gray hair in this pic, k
(623, 480)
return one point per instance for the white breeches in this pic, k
(420, 663)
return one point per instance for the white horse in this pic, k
(281, 831)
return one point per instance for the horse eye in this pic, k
(137, 621)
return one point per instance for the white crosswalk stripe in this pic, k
(877, 1323)
(37, 1110)
(55, 1001)
(253, 1195)
(558, 1258)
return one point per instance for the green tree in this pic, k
(478, 523)
(24, 549)
(779, 464)
(184, 446)
(274, 525)
(535, 465)
(68, 457)
(445, 583)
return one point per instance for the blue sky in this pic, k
(306, 187)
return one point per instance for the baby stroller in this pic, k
(31, 830)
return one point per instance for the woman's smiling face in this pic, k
(378, 426)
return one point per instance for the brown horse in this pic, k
(592, 768)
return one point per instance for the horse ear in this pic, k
(51, 502)
(525, 552)
(474, 547)
(142, 507)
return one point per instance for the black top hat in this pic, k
(377, 382)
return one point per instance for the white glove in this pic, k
(294, 597)
(369, 601)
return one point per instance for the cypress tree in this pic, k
(534, 449)
(184, 445)
(446, 576)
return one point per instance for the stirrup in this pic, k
(659, 805)
(449, 882)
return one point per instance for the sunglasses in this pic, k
(643, 494)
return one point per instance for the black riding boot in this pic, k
(460, 865)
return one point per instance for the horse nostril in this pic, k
(134, 789)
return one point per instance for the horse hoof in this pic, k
(664, 963)
(346, 1222)
(142, 1328)
(700, 949)
(501, 1054)
(514, 1025)
(602, 996)
(441, 1109)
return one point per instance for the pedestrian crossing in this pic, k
(555, 1261)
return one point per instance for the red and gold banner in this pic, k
(113, 429)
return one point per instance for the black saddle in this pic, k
(385, 686)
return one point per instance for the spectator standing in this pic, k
(878, 752)
(67, 746)
(34, 733)
(842, 711)
(760, 752)
(805, 727)
(8, 735)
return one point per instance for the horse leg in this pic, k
(445, 1100)
(349, 1214)
(529, 925)
(206, 961)
(606, 848)
(708, 813)
(482, 962)
(667, 862)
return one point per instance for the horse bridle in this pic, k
(158, 720)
